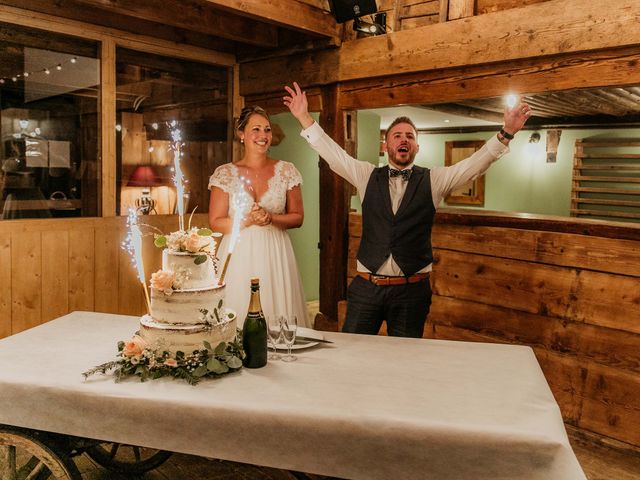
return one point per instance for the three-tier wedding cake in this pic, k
(187, 298)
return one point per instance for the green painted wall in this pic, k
(295, 149)
(522, 180)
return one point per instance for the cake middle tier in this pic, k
(184, 307)
(190, 275)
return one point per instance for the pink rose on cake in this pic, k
(194, 242)
(163, 280)
(134, 347)
(171, 362)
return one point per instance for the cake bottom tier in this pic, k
(187, 338)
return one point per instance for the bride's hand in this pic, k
(257, 216)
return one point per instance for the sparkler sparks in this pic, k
(241, 203)
(178, 177)
(133, 245)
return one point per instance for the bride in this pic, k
(263, 248)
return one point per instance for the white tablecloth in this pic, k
(365, 407)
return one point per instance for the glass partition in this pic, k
(49, 92)
(155, 96)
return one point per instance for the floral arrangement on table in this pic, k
(137, 358)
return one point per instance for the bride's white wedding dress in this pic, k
(262, 252)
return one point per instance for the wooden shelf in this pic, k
(617, 160)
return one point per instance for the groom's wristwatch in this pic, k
(508, 136)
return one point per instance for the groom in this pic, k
(399, 202)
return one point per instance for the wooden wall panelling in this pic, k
(564, 249)
(81, 269)
(607, 346)
(26, 285)
(5, 285)
(521, 286)
(55, 274)
(108, 239)
(611, 403)
(460, 9)
(607, 300)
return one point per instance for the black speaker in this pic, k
(349, 9)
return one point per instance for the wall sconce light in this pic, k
(533, 148)
(145, 176)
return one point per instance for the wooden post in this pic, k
(108, 126)
(334, 218)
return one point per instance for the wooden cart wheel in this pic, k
(122, 458)
(30, 454)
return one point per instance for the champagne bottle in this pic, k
(254, 331)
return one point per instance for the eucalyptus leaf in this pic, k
(216, 366)
(220, 349)
(234, 362)
(200, 259)
(207, 345)
(160, 241)
(205, 232)
(200, 371)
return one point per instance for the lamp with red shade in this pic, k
(145, 176)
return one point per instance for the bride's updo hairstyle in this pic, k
(246, 113)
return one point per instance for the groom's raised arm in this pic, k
(353, 171)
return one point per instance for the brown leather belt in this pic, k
(385, 280)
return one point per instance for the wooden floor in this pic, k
(600, 461)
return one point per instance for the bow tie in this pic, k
(405, 174)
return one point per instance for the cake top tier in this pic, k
(188, 258)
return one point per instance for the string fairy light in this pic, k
(46, 70)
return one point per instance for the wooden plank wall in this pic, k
(52, 267)
(571, 291)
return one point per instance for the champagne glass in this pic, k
(289, 329)
(274, 332)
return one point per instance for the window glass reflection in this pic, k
(49, 89)
(156, 95)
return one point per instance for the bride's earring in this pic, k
(242, 140)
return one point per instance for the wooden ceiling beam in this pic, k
(464, 44)
(191, 15)
(466, 111)
(291, 14)
(131, 40)
(496, 37)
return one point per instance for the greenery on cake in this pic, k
(195, 240)
(138, 359)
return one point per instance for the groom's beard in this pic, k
(403, 160)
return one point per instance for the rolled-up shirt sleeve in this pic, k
(356, 172)
(445, 179)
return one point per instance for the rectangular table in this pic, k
(365, 407)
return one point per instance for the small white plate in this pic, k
(304, 332)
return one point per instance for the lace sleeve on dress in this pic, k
(291, 175)
(223, 178)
